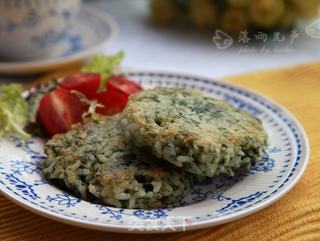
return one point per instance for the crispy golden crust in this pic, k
(95, 160)
(206, 136)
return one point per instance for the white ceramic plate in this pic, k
(92, 30)
(212, 202)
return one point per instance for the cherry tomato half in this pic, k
(59, 109)
(86, 83)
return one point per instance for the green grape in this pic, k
(164, 12)
(238, 3)
(233, 20)
(266, 13)
(202, 13)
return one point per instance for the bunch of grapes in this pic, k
(233, 15)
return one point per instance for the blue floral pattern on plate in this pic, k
(211, 202)
(64, 199)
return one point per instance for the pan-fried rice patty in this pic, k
(93, 159)
(205, 136)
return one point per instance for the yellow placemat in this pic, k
(295, 217)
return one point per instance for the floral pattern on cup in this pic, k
(30, 28)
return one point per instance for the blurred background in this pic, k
(213, 37)
(178, 34)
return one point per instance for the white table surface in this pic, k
(151, 47)
(185, 50)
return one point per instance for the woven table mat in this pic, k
(295, 217)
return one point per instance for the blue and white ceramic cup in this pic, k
(33, 28)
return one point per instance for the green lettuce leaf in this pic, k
(13, 111)
(105, 65)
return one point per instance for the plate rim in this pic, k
(200, 224)
(42, 65)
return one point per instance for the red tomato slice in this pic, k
(122, 84)
(86, 83)
(59, 109)
(116, 96)
(113, 102)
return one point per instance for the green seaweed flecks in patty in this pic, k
(94, 159)
(205, 136)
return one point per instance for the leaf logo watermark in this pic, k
(222, 40)
(313, 30)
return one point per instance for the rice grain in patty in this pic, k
(202, 135)
(94, 159)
